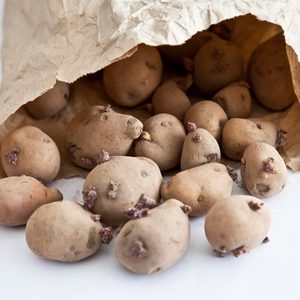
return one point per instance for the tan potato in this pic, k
(170, 98)
(50, 103)
(199, 147)
(239, 133)
(64, 231)
(235, 99)
(207, 115)
(200, 187)
(156, 242)
(217, 64)
(132, 80)
(97, 130)
(237, 225)
(115, 187)
(162, 141)
(21, 196)
(263, 170)
(270, 75)
(30, 151)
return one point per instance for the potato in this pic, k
(21, 196)
(30, 151)
(97, 130)
(270, 75)
(50, 103)
(115, 187)
(235, 99)
(200, 187)
(239, 133)
(162, 141)
(263, 170)
(217, 64)
(207, 115)
(170, 98)
(237, 225)
(132, 80)
(64, 231)
(199, 147)
(156, 242)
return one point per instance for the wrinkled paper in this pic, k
(45, 41)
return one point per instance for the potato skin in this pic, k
(239, 133)
(162, 141)
(63, 231)
(21, 196)
(156, 242)
(270, 75)
(200, 187)
(118, 185)
(217, 64)
(30, 151)
(94, 130)
(51, 102)
(237, 224)
(169, 98)
(235, 99)
(263, 170)
(199, 147)
(132, 80)
(208, 115)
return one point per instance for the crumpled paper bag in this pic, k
(65, 40)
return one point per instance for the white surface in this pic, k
(271, 271)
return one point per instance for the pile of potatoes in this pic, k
(148, 216)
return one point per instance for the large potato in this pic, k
(270, 75)
(97, 130)
(132, 80)
(162, 141)
(239, 133)
(207, 115)
(237, 225)
(115, 187)
(200, 187)
(64, 231)
(156, 242)
(50, 103)
(263, 170)
(21, 196)
(30, 151)
(217, 64)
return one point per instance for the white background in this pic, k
(269, 272)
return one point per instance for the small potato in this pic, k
(207, 115)
(263, 170)
(217, 64)
(21, 196)
(30, 151)
(115, 187)
(50, 103)
(270, 75)
(237, 225)
(200, 187)
(199, 147)
(64, 231)
(170, 98)
(235, 99)
(132, 80)
(162, 141)
(97, 130)
(156, 242)
(239, 133)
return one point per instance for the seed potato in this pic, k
(200, 187)
(156, 242)
(29, 151)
